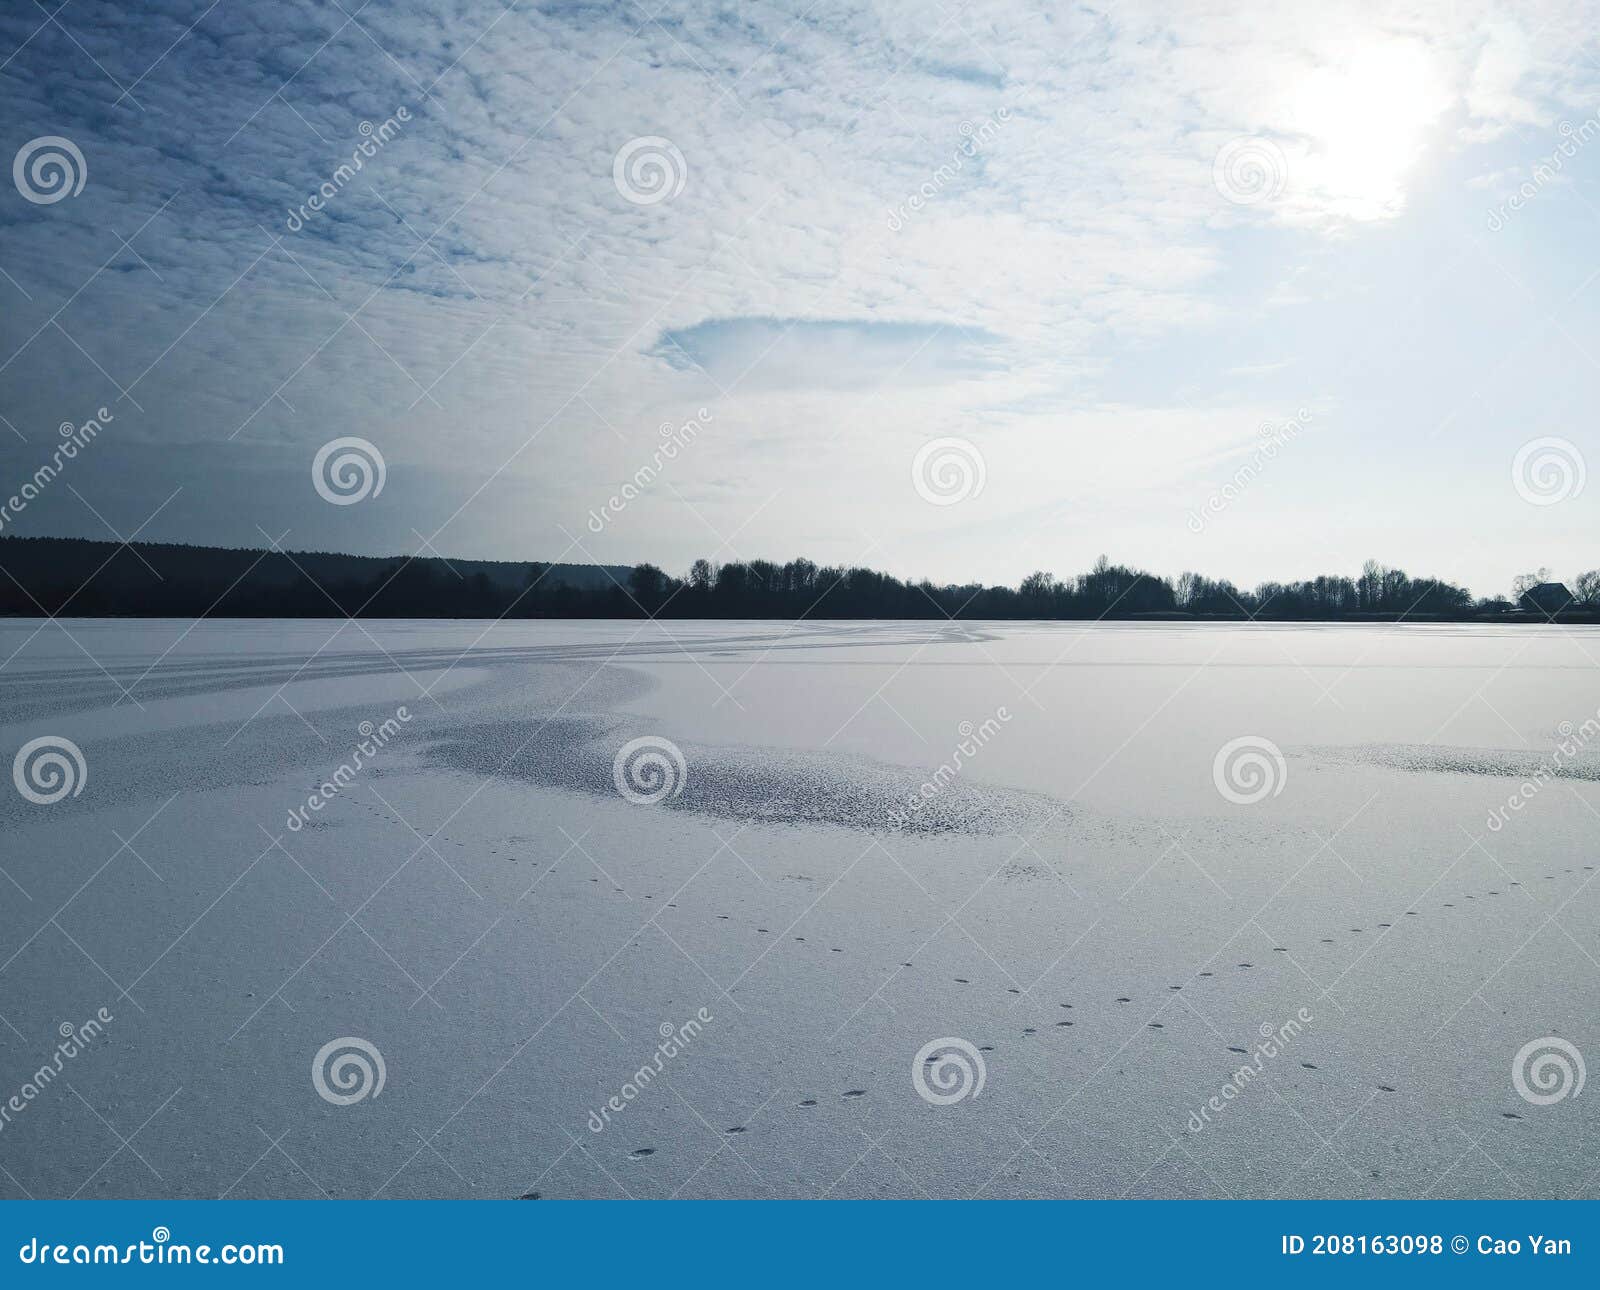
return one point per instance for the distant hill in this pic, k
(80, 578)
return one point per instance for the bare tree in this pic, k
(1527, 582)
(1188, 589)
(1371, 585)
(1038, 586)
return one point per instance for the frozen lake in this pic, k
(1150, 847)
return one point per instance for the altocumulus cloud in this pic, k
(482, 303)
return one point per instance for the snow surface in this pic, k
(1080, 903)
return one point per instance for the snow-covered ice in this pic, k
(1073, 896)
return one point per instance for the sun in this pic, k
(1365, 119)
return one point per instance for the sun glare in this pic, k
(1365, 119)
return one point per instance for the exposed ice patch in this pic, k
(1509, 763)
(776, 786)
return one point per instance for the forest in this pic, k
(77, 578)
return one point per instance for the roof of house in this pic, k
(1548, 594)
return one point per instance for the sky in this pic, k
(956, 291)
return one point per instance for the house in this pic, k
(1548, 598)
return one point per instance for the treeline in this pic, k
(78, 578)
(800, 588)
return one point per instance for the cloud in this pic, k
(832, 354)
(485, 302)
